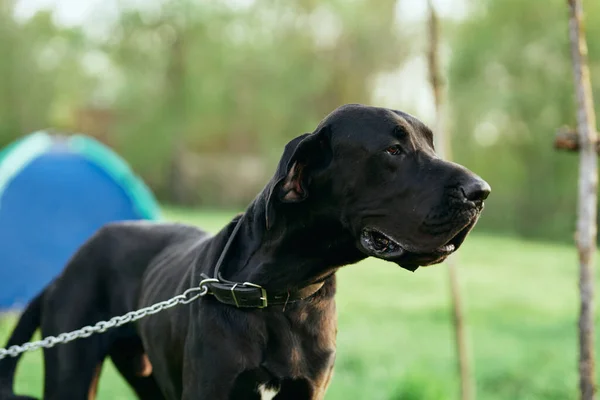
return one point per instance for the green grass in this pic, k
(395, 339)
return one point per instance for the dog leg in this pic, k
(321, 387)
(93, 391)
(214, 385)
(213, 376)
(305, 390)
(133, 364)
(72, 370)
(295, 390)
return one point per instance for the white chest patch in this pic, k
(267, 393)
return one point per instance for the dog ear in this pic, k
(301, 156)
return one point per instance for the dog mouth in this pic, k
(381, 245)
(384, 246)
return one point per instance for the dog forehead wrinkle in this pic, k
(418, 128)
(421, 138)
(428, 135)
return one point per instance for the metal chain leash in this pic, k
(186, 297)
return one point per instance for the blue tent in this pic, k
(55, 192)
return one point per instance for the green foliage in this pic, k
(395, 341)
(181, 77)
(41, 76)
(511, 87)
(221, 79)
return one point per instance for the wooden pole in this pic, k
(176, 105)
(587, 198)
(442, 144)
(568, 139)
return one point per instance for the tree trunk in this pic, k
(587, 201)
(443, 149)
(177, 107)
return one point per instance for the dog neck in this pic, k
(299, 249)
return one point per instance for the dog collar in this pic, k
(250, 295)
(246, 294)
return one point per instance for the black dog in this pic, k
(366, 182)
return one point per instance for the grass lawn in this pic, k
(395, 339)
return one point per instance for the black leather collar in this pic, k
(247, 294)
(250, 295)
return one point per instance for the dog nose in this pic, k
(476, 189)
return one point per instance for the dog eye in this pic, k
(394, 150)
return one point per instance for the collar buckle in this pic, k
(263, 294)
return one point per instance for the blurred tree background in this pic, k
(510, 89)
(200, 96)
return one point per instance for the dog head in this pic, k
(376, 171)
